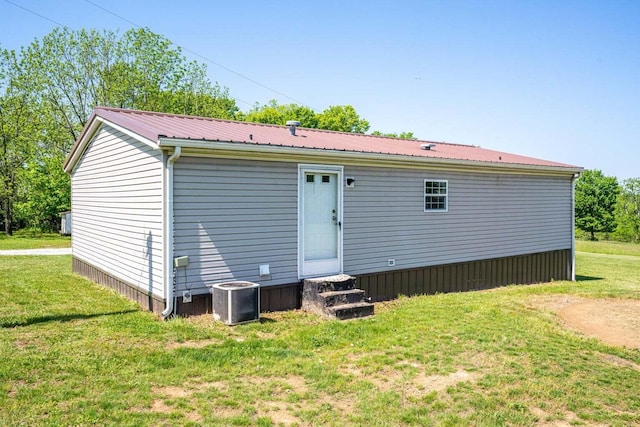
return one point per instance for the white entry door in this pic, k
(320, 220)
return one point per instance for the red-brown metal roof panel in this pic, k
(155, 125)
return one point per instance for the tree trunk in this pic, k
(8, 218)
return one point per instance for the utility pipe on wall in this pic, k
(168, 264)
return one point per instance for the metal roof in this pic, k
(161, 126)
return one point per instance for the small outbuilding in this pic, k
(65, 223)
(166, 206)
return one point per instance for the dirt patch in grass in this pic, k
(279, 387)
(297, 384)
(278, 413)
(172, 392)
(545, 419)
(160, 406)
(279, 409)
(193, 344)
(290, 396)
(14, 388)
(613, 321)
(423, 384)
(559, 419)
(416, 383)
(619, 361)
(284, 413)
(197, 384)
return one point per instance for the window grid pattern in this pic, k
(435, 195)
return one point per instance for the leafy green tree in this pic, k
(48, 193)
(274, 113)
(151, 75)
(75, 71)
(50, 89)
(628, 210)
(17, 125)
(343, 118)
(595, 202)
(46, 187)
(401, 135)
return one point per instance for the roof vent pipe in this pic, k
(427, 146)
(292, 126)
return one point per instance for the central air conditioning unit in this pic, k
(236, 302)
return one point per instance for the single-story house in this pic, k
(164, 206)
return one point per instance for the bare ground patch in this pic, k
(545, 419)
(613, 321)
(279, 413)
(422, 383)
(619, 361)
(15, 387)
(291, 395)
(197, 384)
(172, 391)
(412, 381)
(553, 302)
(193, 344)
(159, 405)
(563, 419)
(279, 409)
(164, 395)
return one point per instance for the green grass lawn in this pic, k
(34, 241)
(608, 247)
(74, 353)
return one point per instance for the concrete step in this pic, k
(351, 311)
(335, 296)
(332, 298)
(339, 282)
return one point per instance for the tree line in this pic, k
(604, 206)
(49, 89)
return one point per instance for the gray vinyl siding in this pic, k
(489, 216)
(230, 216)
(117, 209)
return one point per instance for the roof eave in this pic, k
(91, 128)
(80, 144)
(228, 149)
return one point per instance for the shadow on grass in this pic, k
(580, 278)
(61, 318)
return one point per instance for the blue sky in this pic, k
(558, 80)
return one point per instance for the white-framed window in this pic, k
(436, 195)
